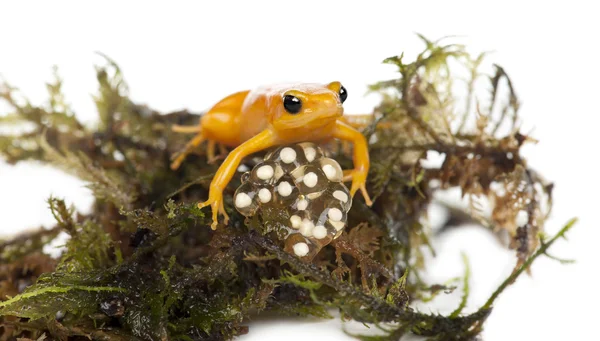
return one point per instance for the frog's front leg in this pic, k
(224, 174)
(361, 158)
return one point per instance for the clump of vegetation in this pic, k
(144, 264)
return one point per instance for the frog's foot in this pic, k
(216, 203)
(359, 179)
(178, 157)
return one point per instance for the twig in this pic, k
(455, 149)
(542, 250)
(463, 301)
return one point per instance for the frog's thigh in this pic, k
(221, 127)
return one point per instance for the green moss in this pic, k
(34, 303)
(144, 263)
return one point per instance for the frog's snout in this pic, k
(332, 107)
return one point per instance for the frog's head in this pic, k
(307, 105)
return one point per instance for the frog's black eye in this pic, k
(292, 104)
(343, 94)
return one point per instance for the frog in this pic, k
(251, 121)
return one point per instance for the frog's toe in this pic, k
(217, 207)
(177, 160)
(224, 213)
(348, 174)
(356, 186)
(359, 183)
(202, 205)
(365, 194)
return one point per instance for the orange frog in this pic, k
(251, 121)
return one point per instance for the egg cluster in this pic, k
(305, 188)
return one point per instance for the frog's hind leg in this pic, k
(185, 129)
(212, 153)
(222, 150)
(181, 155)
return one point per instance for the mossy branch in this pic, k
(146, 263)
(101, 182)
(465, 297)
(46, 290)
(525, 266)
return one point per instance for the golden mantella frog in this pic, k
(251, 121)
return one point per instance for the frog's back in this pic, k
(240, 116)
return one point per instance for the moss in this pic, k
(144, 263)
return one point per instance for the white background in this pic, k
(186, 55)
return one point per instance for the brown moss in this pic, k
(144, 264)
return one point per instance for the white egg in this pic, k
(330, 172)
(243, 200)
(265, 172)
(296, 221)
(264, 195)
(310, 153)
(306, 228)
(288, 155)
(311, 179)
(335, 214)
(302, 204)
(301, 249)
(319, 232)
(284, 189)
(341, 196)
